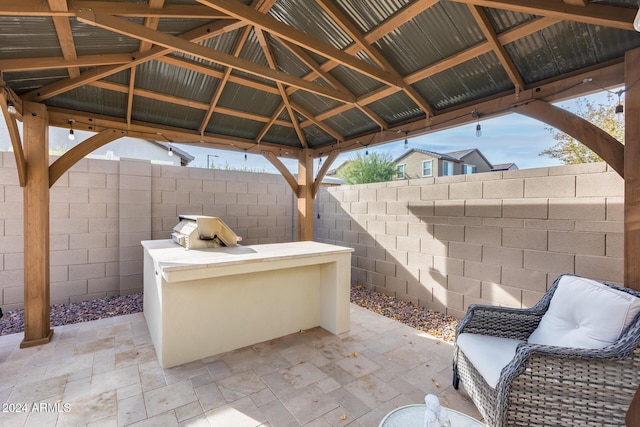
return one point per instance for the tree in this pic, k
(365, 169)
(569, 150)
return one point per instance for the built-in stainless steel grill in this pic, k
(200, 232)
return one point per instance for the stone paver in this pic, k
(105, 373)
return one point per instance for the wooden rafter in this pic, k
(261, 6)
(264, 44)
(317, 71)
(608, 75)
(352, 31)
(317, 122)
(65, 85)
(149, 22)
(33, 64)
(95, 123)
(128, 28)
(492, 38)
(128, 10)
(273, 120)
(593, 13)
(186, 102)
(293, 35)
(223, 81)
(65, 37)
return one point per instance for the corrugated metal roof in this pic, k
(438, 33)
(18, 35)
(252, 100)
(177, 81)
(90, 40)
(310, 18)
(353, 122)
(367, 14)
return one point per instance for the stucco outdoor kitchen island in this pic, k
(203, 302)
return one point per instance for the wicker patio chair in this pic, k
(545, 385)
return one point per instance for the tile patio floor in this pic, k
(105, 373)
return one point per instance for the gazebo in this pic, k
(303, 80)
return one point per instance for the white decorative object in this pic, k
(435, 415)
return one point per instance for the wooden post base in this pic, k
(40, 341)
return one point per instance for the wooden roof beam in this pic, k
(352, 31)
(593, 13)
(492, 38)
(262, 6)
(262, 40)
(124, 9)
(293, 35)
(65, 85)
(65, 37)
(131, 29)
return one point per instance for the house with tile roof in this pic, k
(418, 163)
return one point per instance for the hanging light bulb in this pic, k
(366, 153)
(245, 155)
(619, 107)
(11, 108)
(477, 115)
(71, 134)
(406, 139)
(170, 151)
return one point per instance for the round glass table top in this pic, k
(413, 416)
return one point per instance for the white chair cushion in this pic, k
(489, 355)
(584, 313)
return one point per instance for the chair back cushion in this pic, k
(585, 313)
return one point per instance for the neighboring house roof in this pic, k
(428, 153)
(461, 154)
(185, 158)
(504, 167)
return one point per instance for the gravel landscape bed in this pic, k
(434, 323)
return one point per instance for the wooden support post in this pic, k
(37, 327)
(632, 192)
(305, 195)
(631, 170)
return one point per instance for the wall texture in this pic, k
(101, 210)
(496, 238)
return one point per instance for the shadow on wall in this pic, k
(493, 238)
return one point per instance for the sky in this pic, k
(505, 139)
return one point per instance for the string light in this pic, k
(71, 134)
(477, 115)
(11, 108)
(245, 155)
(170, 151)
(619, 107)
(406, 139)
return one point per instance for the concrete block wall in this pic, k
(100, 211)
(497, 238)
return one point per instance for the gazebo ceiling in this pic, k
(282, 75)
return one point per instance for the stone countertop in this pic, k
(172, 259)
